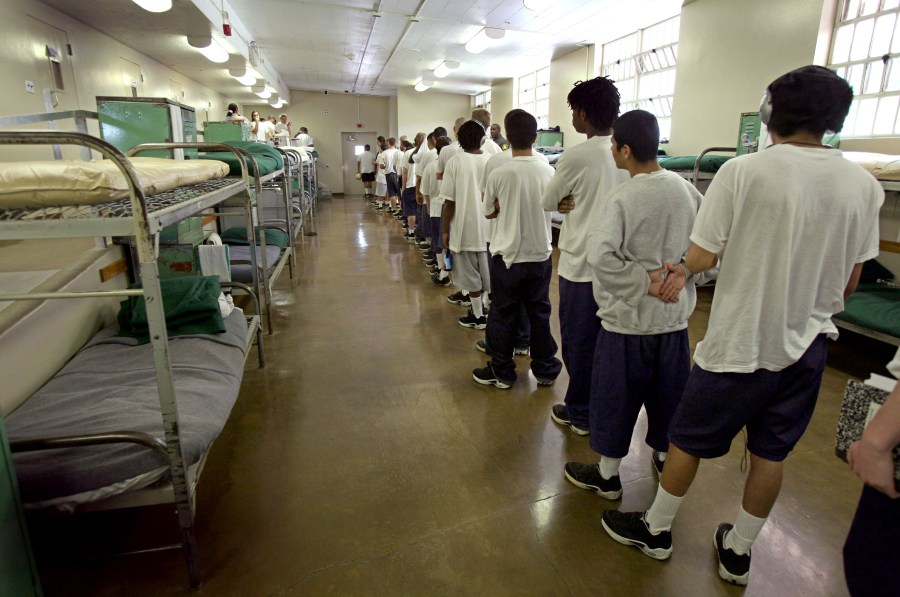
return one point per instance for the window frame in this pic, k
(538, 93)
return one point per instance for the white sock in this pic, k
(476, 306)
(746, 528)
(661, 514)
(609, 467)
(662, 456)
(443, 275)
(486, 301)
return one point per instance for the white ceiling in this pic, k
(368, 46)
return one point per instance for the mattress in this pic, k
(267, 158)
(110, 385)
(243, 273)
(874, 306)
(708, 163)
(33, 185)
(881, 166)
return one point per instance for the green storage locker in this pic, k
(129, 121)
(225, 131)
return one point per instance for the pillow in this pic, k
(191, 305)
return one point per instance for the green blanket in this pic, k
(274, 236)
(267, 158)
(874, 306)
(191, 305)
(709, 163)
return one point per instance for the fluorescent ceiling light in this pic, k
(484, 38)
(245, 76)
(421, 86)
(262, 91)
(445, 68)
(154, 5)
(209, 47)
(280, 103)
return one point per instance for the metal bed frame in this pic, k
(142, 218)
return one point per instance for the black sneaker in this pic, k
(657, 463)
(560, 415)
(521, 351)
(481, 346)
(437, 280)
(423, 244)
(587, 476)
(379, 208)
(431, 263)
(486, 377)
(470, 321)
(630, 528)
(544, 381)
(434, 270)
(732, 567)
(458, 298)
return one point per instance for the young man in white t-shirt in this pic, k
(520, 262)
(391, 167)
(488, 145)
(365, 167)
(791, 226)
(303, 138)
(464, 226)
(585, 174)
(430, 189)
(642, 355)
(410, 206)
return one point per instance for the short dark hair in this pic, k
(391, 141)
(440, 132)
(639, 130)
(470, 135)
(380, 139)
(367, 147)
(599, 98)
(405, 144)
(232, 108)
(521, 129)
(811, 98)
(442, 142)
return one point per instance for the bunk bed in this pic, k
(169, 453)
(260, 265)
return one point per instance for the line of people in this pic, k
(785, 232)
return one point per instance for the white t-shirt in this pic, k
(281, 130)
(490, 147)
(788, 224)
(431, 188)
(380, 172)
(304, 140)
(522, 233)
(494, 162)
(392, 159)
(366, 162)
(410, 167)
(588, 173)
(462, 185)
(423, 158)
(447, 153)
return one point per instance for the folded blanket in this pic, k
(191, 305)
(274, 236)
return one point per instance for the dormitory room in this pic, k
(450, 298)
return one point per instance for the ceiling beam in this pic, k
(413, 19)
(362, 58)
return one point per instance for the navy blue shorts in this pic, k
(774, 406)
(408, 199)
(393, 184)
(437, 239)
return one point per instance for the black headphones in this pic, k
(807, 72)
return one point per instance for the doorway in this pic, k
(353, 144)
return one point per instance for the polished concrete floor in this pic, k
(363, 460)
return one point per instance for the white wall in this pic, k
(501, 100)
(326, 117)
(728, 52)
(564, 72)
(423, 112)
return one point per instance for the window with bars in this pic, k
(865, 50)
(483, 100)
(643, 66)
(534, 95)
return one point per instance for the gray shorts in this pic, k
(470, 271)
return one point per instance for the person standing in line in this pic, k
(409, 204)
(464, 226)
(431, 197)
(760, 364)
(304, 139)
(380, 177)
(282, 130)
(365, 168)
(585, 174)
(391, 158)
(234, 114)
(520, 263)
(873, 572)
(459, 297)
(642, 355)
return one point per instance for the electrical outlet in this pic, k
(29, 86)
(326, 112)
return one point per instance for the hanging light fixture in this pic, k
(445, 68)
(422, 85)
(262, 91)
(484, 38)
(244, 76)
(154, 5)
(209, 47)
(279, 104)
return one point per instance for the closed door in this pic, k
(353, 144)
(132, 79)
